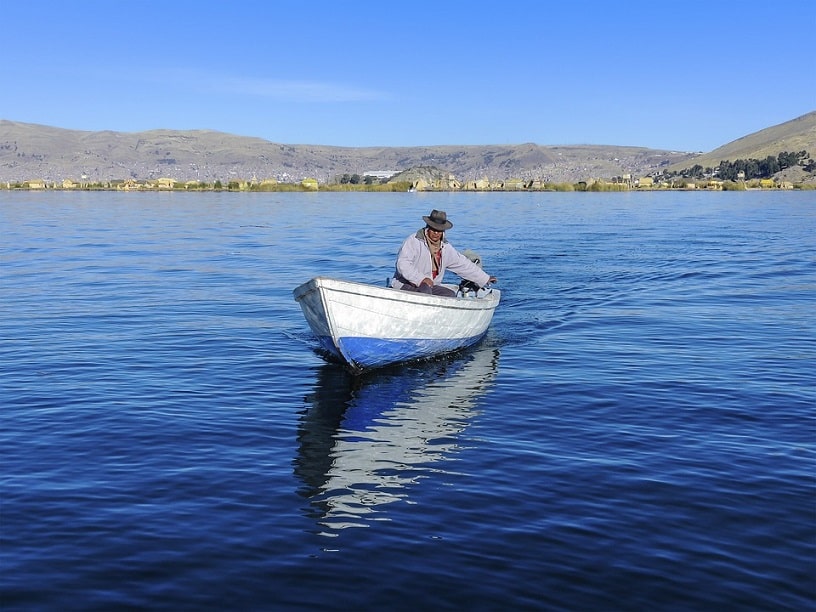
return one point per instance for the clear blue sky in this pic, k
(686, 75)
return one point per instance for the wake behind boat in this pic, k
(367, 326)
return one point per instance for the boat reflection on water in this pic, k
(364, 441)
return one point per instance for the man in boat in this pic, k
(425, 255)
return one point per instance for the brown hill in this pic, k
(29, 152)
(792, 136)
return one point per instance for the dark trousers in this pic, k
(435, 290)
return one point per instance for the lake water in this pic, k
(636, 431)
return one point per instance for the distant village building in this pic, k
(448, 183)
(127, 185)
(382, 175)
(481, 184)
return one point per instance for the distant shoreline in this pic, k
(439, 185)
(606, 188)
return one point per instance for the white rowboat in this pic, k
(366, 326)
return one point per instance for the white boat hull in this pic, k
(367, 326)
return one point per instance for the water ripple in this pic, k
(636, 430)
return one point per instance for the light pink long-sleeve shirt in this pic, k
(414, 263)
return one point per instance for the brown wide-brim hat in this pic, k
(438, 220)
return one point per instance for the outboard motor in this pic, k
(466, 286)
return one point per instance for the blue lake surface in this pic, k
(637, 430)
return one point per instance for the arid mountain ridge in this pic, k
(31, 151)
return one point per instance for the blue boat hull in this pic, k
(368, 353)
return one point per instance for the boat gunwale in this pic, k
(323, 283)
